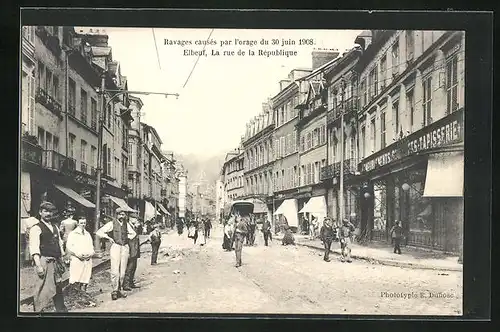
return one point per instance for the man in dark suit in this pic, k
(135, 253)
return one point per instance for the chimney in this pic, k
(322, 56)
(284, 84)
(364, 39)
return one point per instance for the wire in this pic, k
(156, 47)
(198, 58)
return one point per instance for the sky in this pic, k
(223, 92)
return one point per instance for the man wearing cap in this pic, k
(68, 224)
(346, 232)
(327, 235)
(240, 232)
(46, 248)
(118, 233)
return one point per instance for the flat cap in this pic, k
(48, 206)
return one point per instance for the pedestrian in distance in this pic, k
(201, 232)
(288, 238)
(397, 235)
(81, 249)
(346, 232)
(118, 233)
(208, 227)
(312, 228)
(134, 254)
(266, 231)
(155, 239)
(46, 248)
(68, 224)
(227, 244)
(327, 235)
(240, 232)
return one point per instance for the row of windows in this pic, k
(287, 112)
(313, 138)
(235, 182)
(259, 155)
(285, 145)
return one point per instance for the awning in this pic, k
(75, 196)
(162, 208)
(445, 175)
(25, 194)
(149, 211)
(121, 203)
(315, 206)
(289, 209)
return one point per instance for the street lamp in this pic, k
(102, 91)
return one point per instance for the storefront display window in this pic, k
(380, 221)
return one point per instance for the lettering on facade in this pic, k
(442, 133)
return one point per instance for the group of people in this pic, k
(53, 246)
(199, 228)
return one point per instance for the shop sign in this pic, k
(444, 132)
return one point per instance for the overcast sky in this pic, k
(223, 93)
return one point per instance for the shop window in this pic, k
(380, 222)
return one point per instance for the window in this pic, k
(383, 71)
(323, 135)
(40, 79)
(363, 93)
(108, 160)
(41, 137)
(56, 144)
(72, 139)
(83, 151)
(93, 156)
(28, 33)
(48, 141)
(352, 146)
(93, 114)
(372, 84)
(72, 97)
(411, 107)
(427, 100)
(451, 85)
(282, 142)
(363, 142)
(313, 173)
(282, 115)
(309, 172)
(83, 106)
(302, 144)
(31, 104)
(294, 141)
(395, 107)
(395, 58)
(111, 107)
(410, 45)
(309, 141)
(55, 88)
(315, 137)
(48, 81)
(116, 172)
(382, 130)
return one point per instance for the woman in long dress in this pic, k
(80, 247)
(228, 235)
(200, 229)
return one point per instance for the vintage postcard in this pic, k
(241, 171)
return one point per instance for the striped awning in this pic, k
(162, 208)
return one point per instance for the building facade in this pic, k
(233, 177)
(185, 202)
(412, 88)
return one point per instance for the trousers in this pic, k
(267, 236)
(119, 257)
(49, 287)
(328, 244)
(239, 239)
(345, 245)
(130, 271)
(155, 247)
(397, 245)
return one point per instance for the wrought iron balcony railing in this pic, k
(42, 97)
(56, 161)
(83, 167)
(333, 170)
(31, 153)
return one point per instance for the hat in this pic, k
(120, 209)
(48, 206)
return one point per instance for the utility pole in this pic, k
(99, 162)
(341, 191)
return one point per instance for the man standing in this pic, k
(208, 227)
(46, 248)
(266, 230)
(134, 254)
(397, 234)
(346, 232)
(68, 224)
(240, 232)
(119, 234)
(81, 250)
(327, 235)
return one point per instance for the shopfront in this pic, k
(418, 181)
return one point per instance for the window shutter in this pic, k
(31, 104)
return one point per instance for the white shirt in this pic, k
(68, 225)
(34, 238)
(102, 232)
(80, 242)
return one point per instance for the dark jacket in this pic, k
(242, 226)
(266, 226)
(135, 251)
(346, 230)
(327, 233)
(396, 232)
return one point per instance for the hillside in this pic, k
(205, 168)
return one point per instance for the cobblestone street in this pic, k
(277, 279)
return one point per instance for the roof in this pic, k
(319, 69)
(100, 50)
(153, 130)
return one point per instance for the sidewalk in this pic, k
(383, 254)
(27, 275)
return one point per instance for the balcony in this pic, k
(55, 161)
(30, 152)
(43, 98)
(350, 110)
(333, 170)
(83, 167)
